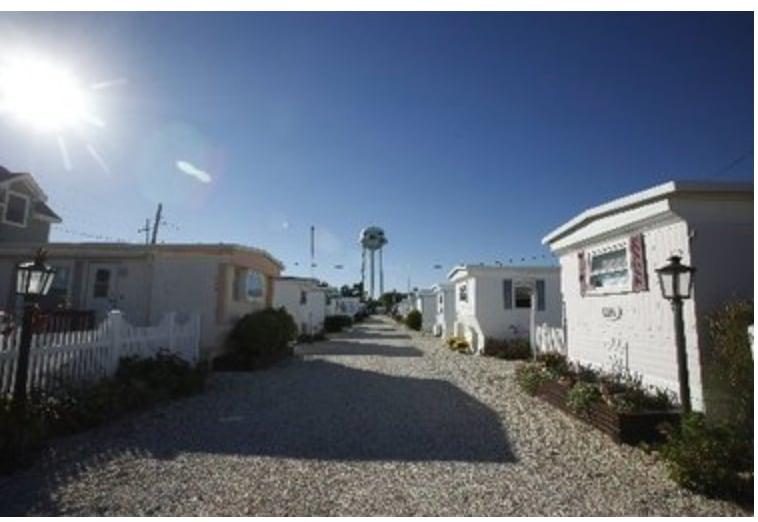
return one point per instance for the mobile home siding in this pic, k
(633, 330)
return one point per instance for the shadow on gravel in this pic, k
(338, 348)
(306, 409)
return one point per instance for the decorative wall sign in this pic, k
(612, 313)
(617, 351)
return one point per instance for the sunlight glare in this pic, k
(42, 94)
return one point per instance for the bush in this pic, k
(710, 458)
(335, 323)
(413, 320)
(555, 363)
(714, 455)
(581, 397)
(514, 349)
(625, 393)
(258, 339)
(729, 361)
(166, 376)
(531, 376)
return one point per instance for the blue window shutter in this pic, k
(540, 283)
(508, 293)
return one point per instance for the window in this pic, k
(303, 297)
(609, 268)
(255, 285)
(463, 293)
(59, 287)
(102, 283)
(523, 297)
(16, 209)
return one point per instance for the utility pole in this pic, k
(313, 249)
(157, 223)
(146, 230)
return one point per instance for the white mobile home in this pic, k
(304, 300)
(221, 282)
(616, 316)
(444, 296)
(427, 305)
(495, 302)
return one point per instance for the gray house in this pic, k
(24, 214)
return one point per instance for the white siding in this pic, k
(308, 316)
(445, 306)
(485, 316)
(636, 331)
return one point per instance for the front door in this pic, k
(101, 289)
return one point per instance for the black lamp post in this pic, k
(676, 282)
(33, 280)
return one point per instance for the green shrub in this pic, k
(729, 361)
(714, 455)
(335, 323)
(555, 363)
(167, 375)
(582, 396)
(530, 376)
(625, 393)
(710, 458)
(514, 349)
(264, 335)
(413, 320)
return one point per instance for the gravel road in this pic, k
(376, 421)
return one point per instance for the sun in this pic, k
(43, 94)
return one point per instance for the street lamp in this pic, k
(33, 280)
(676, 282)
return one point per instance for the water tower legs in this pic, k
(363, 273)
(381, 272)
(371, 294)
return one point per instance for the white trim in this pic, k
(27, 208)
(605, 248)
(638, 198)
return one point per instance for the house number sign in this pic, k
(612, 313)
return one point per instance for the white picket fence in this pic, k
(550, 339)
(91, 354)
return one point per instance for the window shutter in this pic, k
(638, 266)
(582, 273)
(540, 284)
(508, 293)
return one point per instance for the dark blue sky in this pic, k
(466, 136)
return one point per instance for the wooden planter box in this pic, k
(629, 428)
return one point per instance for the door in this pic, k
(102, 293)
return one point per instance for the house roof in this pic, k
(479, 270)
(6, 175)
(310, 282)
(665, 190)
(41, 208)
(442, 286)
(134, 249)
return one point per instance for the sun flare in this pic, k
(43, 94)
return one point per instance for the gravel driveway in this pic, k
(377, 421)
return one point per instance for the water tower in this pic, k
(372, 239)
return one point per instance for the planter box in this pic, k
(629, 428)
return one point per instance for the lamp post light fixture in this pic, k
(676, 282)
(33, 280)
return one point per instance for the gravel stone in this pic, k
(375, 421)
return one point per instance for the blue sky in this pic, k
(467, 137)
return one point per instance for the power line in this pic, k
(732, 164)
